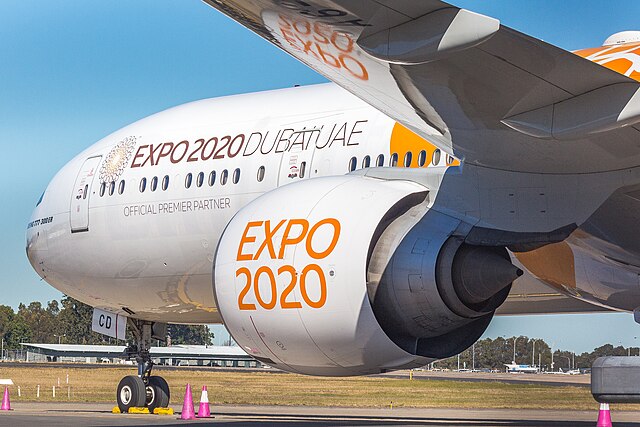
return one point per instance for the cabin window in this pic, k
(224, 176)
(154, 183)
(366, 162)
(165, 183)
(393, 161)
(407, 159)
(260, 173)
(212, 178)
(236, 176)
(86, 189)
(422, 158)
(380, 160)
(103, 188)
(303, 169)
(143, 184)
(436, 157)
(352, 164)
(188, 179)
(121, 187)
(450, 160)
(112, 187)
(200, 179)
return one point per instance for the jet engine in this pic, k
(353, 275)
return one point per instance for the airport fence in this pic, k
(15, 355)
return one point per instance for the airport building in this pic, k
(176, 355)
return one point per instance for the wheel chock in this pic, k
(163, 411)
(140, 410)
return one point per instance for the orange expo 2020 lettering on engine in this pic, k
(304, 233)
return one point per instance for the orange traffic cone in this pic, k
(203, 410)
(188, 412)
(6, 404)
(604, 416)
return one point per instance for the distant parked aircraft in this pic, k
(513, 367)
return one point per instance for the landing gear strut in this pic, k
(143, 390)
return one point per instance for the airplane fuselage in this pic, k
(133, 221)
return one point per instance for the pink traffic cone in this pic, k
(6, 404)
(203, 410)
(187, 406)
(604, 416)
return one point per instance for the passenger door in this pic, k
(79, 213)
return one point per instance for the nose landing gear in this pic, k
(143, 390)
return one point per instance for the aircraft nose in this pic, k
(36, 239)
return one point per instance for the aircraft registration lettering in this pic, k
(294, 232)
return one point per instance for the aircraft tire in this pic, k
(130, 393)
(157, 393)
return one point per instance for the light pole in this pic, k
(568, 361)
(59, 337)
(473, 357)
(514, 349)
(539, 361)
(533, 353)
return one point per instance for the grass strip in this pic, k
(269, 388)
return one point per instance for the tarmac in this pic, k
(99, 414)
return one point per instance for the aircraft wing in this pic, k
(529, 295)
(490, 95)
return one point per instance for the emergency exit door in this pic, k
(79, 213)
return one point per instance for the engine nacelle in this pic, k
(351, 275)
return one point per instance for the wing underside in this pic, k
(491, 95)
(530, 296)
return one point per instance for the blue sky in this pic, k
(72, 72)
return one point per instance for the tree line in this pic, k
(495, 353)
(69, 322)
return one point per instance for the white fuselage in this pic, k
(132, 223)
(150, 251)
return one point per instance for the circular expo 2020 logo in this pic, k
(117, 159)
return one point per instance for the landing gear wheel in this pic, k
(157, 393)
(130, 393)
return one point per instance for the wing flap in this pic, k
(531, 296)
(601, 110)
